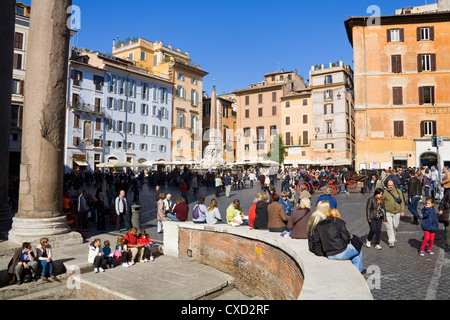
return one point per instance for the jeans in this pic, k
(392, 223)
(44, 264)
(172, 217)
(412, 207)
(375, 230)
(350, 253)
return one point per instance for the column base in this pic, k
(55, 229)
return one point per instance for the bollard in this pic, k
(136, 216)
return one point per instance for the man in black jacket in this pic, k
(414, 197)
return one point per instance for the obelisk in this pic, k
(41, 171)
(7, 25)
(213, 118)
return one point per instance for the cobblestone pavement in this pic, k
(397, 273)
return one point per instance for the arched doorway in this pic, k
(428, 159)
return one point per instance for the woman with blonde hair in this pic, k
(336, 240)
(320, 214)
(212, 213)
(44, 257)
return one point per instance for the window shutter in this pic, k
(397, 95)
(419, 63)
(422, 128)
(305, 137)
(21, 87)
(388, 35)
(305, 118)
(288, 121)
(434, 127)
(402, 35)
(396, 63)
(432, 95)
(431, 33)
(418, 34)
(433, 62)
(324, 109)
(420, 96)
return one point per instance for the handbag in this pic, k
(398, 200)
(444, 217)
(356, 242)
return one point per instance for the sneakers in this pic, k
(95, 270)
(145, 260)
(391, 244)
(368, 244)
(421, 253)
(125, 265)
(430, 252)
(101, 269)
(152, 258)
(378, 247)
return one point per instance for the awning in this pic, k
(81, 163)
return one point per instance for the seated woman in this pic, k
(201, 210)
(277, 215)
(235, 215)
(180, 211)
(44, 257)
(335, 240)
(299, 219)
(262, 216)
(319, 214)
(213, 214)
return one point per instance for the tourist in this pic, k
(83, 210)
(160, 213)
(121, 252)
(227, 184)
(136, 249)
(293, 197)
(445, 183)
(262, 215)
(145, 242)
(108, 255)
(277, 216)
(375, 215)
(180, 211)
(335, 240)
(44, 257)
(426, 183)
(184, 189)
(414, 197)
(96, 255)
(305, 193)
(251, 178)
(22, 263)
(218, 185)
(434, 177)
(199, 211)
(121, 208)
(252, 210)
(444, 211)
(235, 215)
(320, 214)
(284, 201)
(395, 208)
(327, 196)
(168, 203)
(100, 209)
(298, 221)
(212, 213)
(430, 225)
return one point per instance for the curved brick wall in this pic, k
(259, 269)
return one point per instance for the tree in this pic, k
(277, 150)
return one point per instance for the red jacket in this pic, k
(252, 215)
(142, 240)
(131, 239)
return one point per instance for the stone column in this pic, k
(213, 118)
(41, 171)
(7, 25)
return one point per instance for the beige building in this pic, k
(18, 84)
(187, 79)
(333, 113)
(297, 127)
(259, 109)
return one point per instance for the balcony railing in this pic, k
(87, 108)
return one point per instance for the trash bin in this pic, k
(136, 216)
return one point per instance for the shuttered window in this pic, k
(398, 129)
(397, 95)
(18, 41)
(395, 35)
(426, 62)
(425, 33)
(428, 128)
(426, 95)
(396, 63)
(305, 138)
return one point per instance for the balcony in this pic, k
(83, 107)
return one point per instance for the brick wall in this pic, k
(259, 269)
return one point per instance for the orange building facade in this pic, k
(402, 88)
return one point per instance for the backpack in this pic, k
(195, 214)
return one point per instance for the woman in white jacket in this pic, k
(44, 256)
(96, 255)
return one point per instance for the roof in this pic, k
(396, 19)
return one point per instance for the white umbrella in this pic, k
(106, 165)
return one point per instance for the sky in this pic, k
(235, 41)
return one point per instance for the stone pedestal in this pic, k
(40, 210)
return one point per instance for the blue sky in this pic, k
(235, 41)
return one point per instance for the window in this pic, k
(425, 33)
(328, 95)
(143, 55)
(110, 103)
(98, 105)
(144, 129)
(18, 41)
(99, 81)
(329, 128)
(131, 106)
(273, 130)
(396, 63)
(288, 138)
(428, 128)
(328, 79)
(426, 95)
(121, 105)
(274, 97)
(328, 108)
(131, 127)
(76, 141)
(17, 63)
(288, 121)
(305, 137)
(163, 93)
(397, 95)
(260, 112)
(206, 109)
(76, 121)
(154, 131)
(119, 144)
(426, 62)
(305, 118)
(398, 129)
(329, 146)
(132, 87)
(76, 76)
(180, 76)
(194, 80)
(194, 97)
(247, 113)
(143, 147)
(145, 91)
(305, 102)
(144, 109)
(395, 35)
(288, 104)
(98, 124)
(247, 100)
(130, 56)
(274, 110)
(109, 124)
(121, 85)
(109, 144)
(181, 92)
(112, 84)
(179, 144)
(260, 98)
(247, 132)
(120, 127)
(181, 120)
(247, 147)
(162, 148)
(18, 86)
(260, 133)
